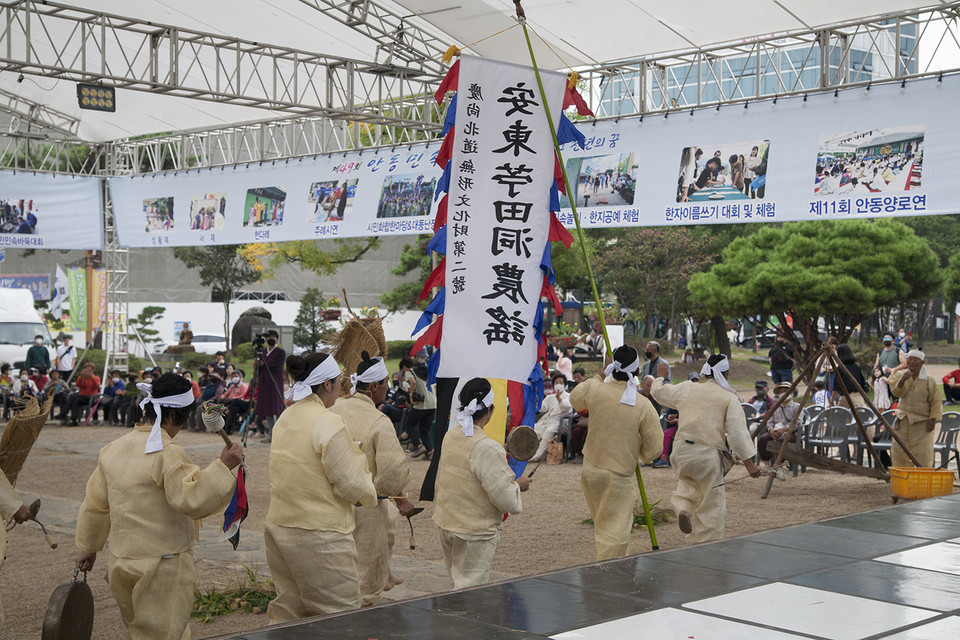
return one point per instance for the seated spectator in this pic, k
(88, 387)
(556, 406)
(777, 426)
(579, 375)
(57, 388)
(112, 393)
(237, 408)
(24, 387)
(233, 398)
(39, 377)
(121, 402)
(6, 390)
(951, 386)
(761, 401)
(134, 412)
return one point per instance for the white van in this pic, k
(20, 322)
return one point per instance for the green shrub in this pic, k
(399, 348)
(243, 351)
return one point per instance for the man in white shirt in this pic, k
(66, 356)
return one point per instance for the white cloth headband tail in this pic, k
(629, 396)
(717, 372)
(376, 373)
(326, 370)
(465, 415)
(185, 399)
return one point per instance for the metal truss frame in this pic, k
(54, 40)
(689, 79)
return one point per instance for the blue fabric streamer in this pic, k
(443, 184)
(533, 401)
(433, 364)
(546, 265)
(434, 308)
(538, 321)
(439, 241)
(516, 466)
(554, 196)
(452, 115)
(566, 132)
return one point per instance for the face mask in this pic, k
(888, 342)
(234, 380)
(188, 378)
(116, 380)
(147, 380)
(761, 392)
(902, 334)
(271, 342)
(648, 354)
(24, 378)
(38, 342)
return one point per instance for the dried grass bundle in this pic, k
(20, 434)
(359, 334)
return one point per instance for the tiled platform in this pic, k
(892, 573)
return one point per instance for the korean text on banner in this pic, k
(498, 219)
(47, 211)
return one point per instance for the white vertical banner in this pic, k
(498, 218)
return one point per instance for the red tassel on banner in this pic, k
(547, 291)
(558, 232)
(431, 336)
(515, 398)
(435, 280)
(542, 356)
(441, 218)
(558, 174)
(446, 149)
(449, 82)
(572, 97)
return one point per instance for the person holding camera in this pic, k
(269, 362)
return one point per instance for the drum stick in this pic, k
(765, 472)
(535, 469)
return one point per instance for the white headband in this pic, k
(185, 399)
(465, 416)
(326, 370)
(629, 396)
(717, 372)
(376, 373)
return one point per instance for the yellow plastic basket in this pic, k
(920, 482)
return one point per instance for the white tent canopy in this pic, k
(582, 34)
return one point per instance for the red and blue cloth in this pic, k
(236, 511)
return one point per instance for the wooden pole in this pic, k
(793, 421)
(837, 367)
(586, 260)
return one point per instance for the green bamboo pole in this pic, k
(583, 248)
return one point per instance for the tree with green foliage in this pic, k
(838, 270)
(144, 325)
(224, 269)
(951, 290)
(322, 257)
(413, 257)
(648, 268)
(309, 325)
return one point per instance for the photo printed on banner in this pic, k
(331, 201)
(18, 215)
(263, 207)
(888, 159)
(408, 195)
(607, 180)
(207, 211)
(158, 213)
(734, 171)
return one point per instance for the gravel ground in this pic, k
(547, 535)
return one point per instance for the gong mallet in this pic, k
(416, 510)
(34, 509)
(213, 421)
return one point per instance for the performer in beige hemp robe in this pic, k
(918, 411)
(11, 506)
(709, 411)
(475, 487)
(373, 431)
(149, 498)
(624, 428)
(317, 474)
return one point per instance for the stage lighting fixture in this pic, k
(96, 97)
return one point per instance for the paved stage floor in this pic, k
(891, 573)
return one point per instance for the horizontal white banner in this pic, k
(50, 211)
(862, 154)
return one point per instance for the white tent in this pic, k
(581, 34)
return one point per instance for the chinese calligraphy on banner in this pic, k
(498, 216)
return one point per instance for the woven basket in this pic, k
(20, 434)
(360, 334)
